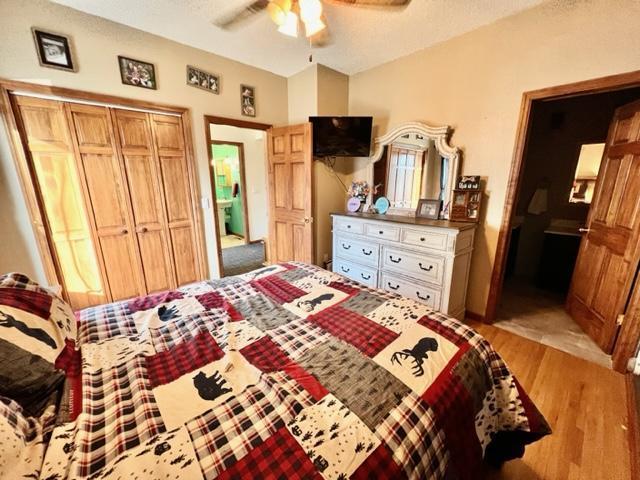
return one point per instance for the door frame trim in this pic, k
(629, 334)
(232, 122)
(25, 175)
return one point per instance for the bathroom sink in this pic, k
(223, 203)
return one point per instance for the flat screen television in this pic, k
(341, 136)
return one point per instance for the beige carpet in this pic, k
(540, 316)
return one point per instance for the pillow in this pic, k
(37, 334)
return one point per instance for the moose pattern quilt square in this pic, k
(289, 371)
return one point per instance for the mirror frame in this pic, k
(440, 136)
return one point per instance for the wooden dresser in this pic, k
(426, 260)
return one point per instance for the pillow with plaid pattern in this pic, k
(37, 334)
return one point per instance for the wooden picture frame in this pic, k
(248, 100)
(54, 50)
(198, 78)
(429, 208)
(465, 205)
(137, 73)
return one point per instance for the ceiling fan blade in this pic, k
(373, 3)
(236, 17)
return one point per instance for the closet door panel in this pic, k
(108, 198)
(143, 177)
(53, 163)
(169, 143)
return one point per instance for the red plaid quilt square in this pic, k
(442, 330)
(378, 465)
(36, 303)
(151, 301)
(214, 300)
(343, 287)
(265, 355)
(278, 289)
(279, 456)
(307, 380)
(168, 365)
(366, 335)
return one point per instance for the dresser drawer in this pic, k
(364, 275)
(423, 238)
(342, 224)
(383, 232)
(428, 268)
(423, 294)
(360, 252)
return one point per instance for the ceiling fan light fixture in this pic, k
(278, 10)
(310, 10)
(314, 26)
(290, 26)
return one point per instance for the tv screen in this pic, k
(341, 136)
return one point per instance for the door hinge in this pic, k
(620, 319)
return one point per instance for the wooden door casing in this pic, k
(108, 198)
(135, 143)
(178, 196)
(610, 249)
(290, 173)
(49, 148)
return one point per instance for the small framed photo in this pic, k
(137, 73)
(469, 182)
(248, 100)
(203, 80)
(54, 50)
(429, 208)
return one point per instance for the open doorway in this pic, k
(549, 205)
(237, 154)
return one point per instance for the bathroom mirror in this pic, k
(411, 162)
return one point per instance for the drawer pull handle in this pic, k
(421, 297)
(346, 247)
(422, 239)
(392, 287)
(345, 270)
(395, 261)
(367, 253)
(381, 232)
(425, 269)
(367, 277)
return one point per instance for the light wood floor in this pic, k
(585, 404)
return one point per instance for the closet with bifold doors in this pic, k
(117, 202)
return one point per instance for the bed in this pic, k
(289, 371)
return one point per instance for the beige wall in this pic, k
(319, 90)
(97, 43)
(475, 83)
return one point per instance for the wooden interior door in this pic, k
(170, 149)
(608, 256)
(107, 197)
(135, 142)
(290, 172)
(56, 178)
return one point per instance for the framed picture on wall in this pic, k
(248, 100)
(54, 50)
(203, 80)
(137, 73)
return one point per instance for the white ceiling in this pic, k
(361, 37)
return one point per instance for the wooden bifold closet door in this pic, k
(114, 190)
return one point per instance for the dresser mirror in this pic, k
(411, 162)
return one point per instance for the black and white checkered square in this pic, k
(104, 322)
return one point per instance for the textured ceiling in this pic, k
(361, 37)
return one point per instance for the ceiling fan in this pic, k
(288, 14)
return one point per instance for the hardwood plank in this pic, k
(584, 403)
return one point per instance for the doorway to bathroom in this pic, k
(238, 182)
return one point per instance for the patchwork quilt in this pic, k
(289, 372)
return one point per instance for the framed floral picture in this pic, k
(54, 50)
(137, 73)
(248, 100)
